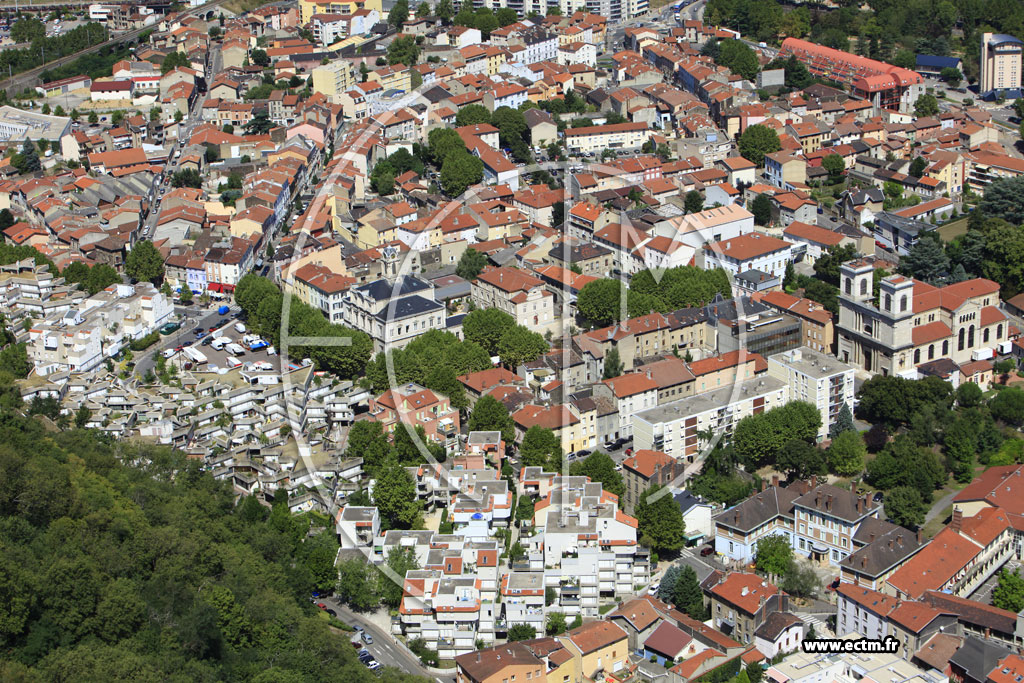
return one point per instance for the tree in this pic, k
(82, 416)
(520, 631)
(486, 326)
(490, 415)
(843, 422)
(176, 59)
(969, 395)
(739, 58)
(556, 623)
(1004, 198)
(459, 171)
(540, 448)
(399, 13)
(368, 441)
(1008, 406)
(612, 364)
(694, 202)
(834, 164)
(600, 301)
(759, 438)
(524, 510)
(144, 263)
(7, 219)
(14, 361)
(761, 207)
(394, 494)
(905, 58)
(188, 177)
(93, 117)
(423, 10)
(355, 584)
(800, 581)
(799, 459)
(756, 141)
(400, 561)
(917, 167)
(688, 595)
(774, 555)
(472, 114)
(904, 506)
(470, 264)
(660, 521)
(31, 157)
(1009, 592)
(846, 453)
(259, 125)
(519, 345)
(444, 10)
(926, 105)
(403, 50)
(926, 259)
(827, 265)
(100, 277)
(506, 16)
(600, 467)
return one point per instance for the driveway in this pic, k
(384, 648)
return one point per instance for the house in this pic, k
(780, 632)
(668, 644)
(753, 251)
(412, 404)
(597, 646)
(643, 469)
(740, 603)
(524, 297)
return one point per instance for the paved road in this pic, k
(195, 316)
(384, 648)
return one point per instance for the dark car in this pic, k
(206, 342)
(199, 331)
(877, 497)
(707, 550)
(582, 454)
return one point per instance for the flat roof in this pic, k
(709, 400)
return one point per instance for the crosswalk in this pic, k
(820, 627)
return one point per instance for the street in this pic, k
(384, 647)
(191, 317)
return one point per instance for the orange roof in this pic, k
(646, 461)
(1002, 487)
(744, 591)
(930, 332)
(747, 247)
(631, 384)
(595, 635)
(935, 565)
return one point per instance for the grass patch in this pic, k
(951, 231)
(605, 609)
(240, 6)
(934, 526)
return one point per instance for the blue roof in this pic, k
(1003, 38)
(938, 62)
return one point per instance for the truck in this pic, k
(223, 310)
(220, 342)
(257, 345)
(1005, 347)
(239, 328)
(234, 349)
(197, 356)
(233, 363)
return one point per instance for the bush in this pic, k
(145, 342)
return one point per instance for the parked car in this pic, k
(582, 454)
(367, 638)
(707, 550)
(321, 605)
(373, 665)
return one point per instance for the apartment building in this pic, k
(913, 323)
(741, 602)
(1000, 72)
(817, 331)
(680, 428)
(826, 521)
(524, 297)
(411, 405)
(393, 311)
(595, 139)
(753, 251)
(818, 379)
(644, 469)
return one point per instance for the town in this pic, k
(609, 341)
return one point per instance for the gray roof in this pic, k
(978, 657)
(408, 306)
(886, 545)
(382, 290)
(836, 502)
(775, 624)
(760, 509)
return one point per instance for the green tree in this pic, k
(506, 16)
(472, 114)
(519, 345)
(759, 438)
(399, 13)
(694, 202)
(739, 58)
(176, 59)
(444, 10)
(926, 259)
(82, 416)
(524, 510)
(490, 415)
(846, 453)
(774, 555)
(969, 395)
(470, 264)
(423, 10)
(660, 522)
(612, 364)
(556, 623)
(188, 177)
(6, 219)
(367, 440)
(917, 167)
(459, 171)
(843, 422)
(541, 448)
(31, 157)
(14, 361)
(100, 277)
(756, 141)
(403, 50)
(600, 467)
(600, 301)
(486, 326)
(904, 506)
(926, 105)
(394, 494)
(1008, 406)
(761, 207)
(400, 561)
(520, 631)
(144, 263)
(356, 585)
(800, 459)
(93, 117)
(688, 595)
(1009, 592)
(834, 164)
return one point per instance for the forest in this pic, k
(124, 562)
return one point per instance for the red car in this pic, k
(707, 550)
(321, 605)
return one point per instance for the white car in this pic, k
(167, 353)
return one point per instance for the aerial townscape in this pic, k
(617, 341)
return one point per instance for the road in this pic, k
(384, 647)
(192, 317)
(30, 78)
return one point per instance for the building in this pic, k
(679, 428)
(645, 469)
(741, 602)
(524, 297)
(914, 323)
(416, 406)
(595, 139)
(816, 378)
(753, 251)
(817, 331)
(826, 521)
(393, 311)
(1000, 72)
(884, 85)
(17, 125)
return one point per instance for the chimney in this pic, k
(817, 499)
(814, 481)
(478, 656)
(736, 517)
(744, 591)
(899, 540)
(853, 487)
(957, 521)
(890, 543)
(775, 480)
(828, 502)
(872, 537)
(860, 505)
(920, 536)
(764, 484)
(864, 562)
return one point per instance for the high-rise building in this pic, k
(1000, 65)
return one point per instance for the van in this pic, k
(239, 328)
(233, 362)
(167, 353)
(271, 351)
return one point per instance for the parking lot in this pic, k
(983, 594)
(217, 359)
